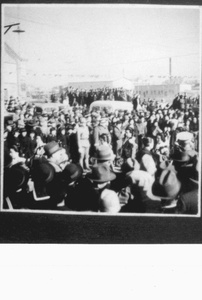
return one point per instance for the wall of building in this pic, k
(13, 75)
(90, 84)
(9, 72)
(158, 92)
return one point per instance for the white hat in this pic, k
(185, 136)
(109, 202)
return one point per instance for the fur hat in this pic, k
(109, 202)
(101, 173)
(166, 186)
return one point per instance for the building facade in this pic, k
(158, 92)
(13, 74)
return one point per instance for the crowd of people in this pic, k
(87, 96)
(144, 161)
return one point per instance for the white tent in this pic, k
(123, 83)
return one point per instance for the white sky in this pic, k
(106, 39)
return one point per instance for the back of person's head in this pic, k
(148, 142)
(109, 202)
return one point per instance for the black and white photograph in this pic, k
(101, 119)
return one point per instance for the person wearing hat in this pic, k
(47, 191)
(140, 199)
(109, 202)
(83, 143)
(117, 140)
(103, 129)
(104, 155)
(32, 124)
(24, 143)
(190, 199)
(129, 147)
(73, 152)
(15, 185)
(39, 150)
(142, 129)
(148, 145)
(52, 136)
(74, 188)
(56, 156)
(31, 142)
(93, 184)
(122, 188)
(94, 134)
(168, 187)
(43, 124)
(62, 138)
(14, 152)
(13, 138)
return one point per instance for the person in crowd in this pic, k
(142, 129)
(148, 145)
(31, 143)
(56, 156)
(53, 135)
(39, 150)
(83, 143)
(14, 152)
(15, 183)
(168, 187)
(24, 143)
(109, 202)
(76, 187)
(129, 147)
(117, 139)
(62, 138)
(190, 200)
(159, 143)
(14, 137)
(104, 155)
(46, 189)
